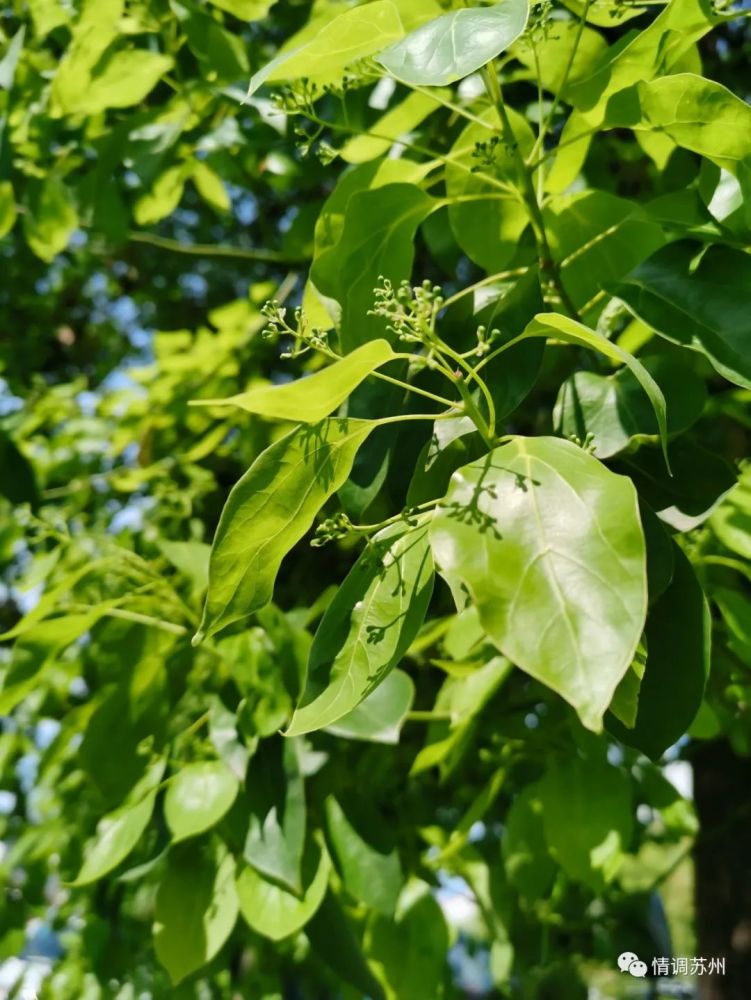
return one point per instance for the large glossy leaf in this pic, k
(276, 797)
(269, 511)
(697, 298)
(678, 635)
(548, 544)
(119, 832)
(379, 718)
(614, 410)
(275, 912)
(571, 332)
(696, 113)
(376, 242)
(368, 626)
(309, 400)
(370, 873)
(587, 814)
(198, 796)
(456, 44)
(196, 908)
(342, 40)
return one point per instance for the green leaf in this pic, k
(488, 229)
(50, 218)
(549, 546)
(678, 635)
(604, 13)
(119, 832)
(598, 238)
(190, 558)
(700, 479)
(352, 35)
(368, 626)
(570, 332)
(553, 51)
(408, 952)
(379, 718)
(731, 521)
(697, 297)
(614, 410)
(9, 62)
(276, 798)
(197, 797)
(335, 942)
(311, 399)
(269, 511)
(394, 124)
(376, 242)
(210, 187)
(276, 913)
(164, 196)
(529, 866)
(17, 479)
(92, 77)
(372, 876)
(456, 44)
(696, 113)
(8, 212)
(246, 10)
(196, 908)
(463, 698)
(587, 813)
(39, 647)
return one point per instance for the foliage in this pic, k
(469, 448)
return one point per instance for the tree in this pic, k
(457, 295)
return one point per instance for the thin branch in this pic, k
(214, 250)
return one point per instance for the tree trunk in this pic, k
(722, 790)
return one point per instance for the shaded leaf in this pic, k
(678, 636)
(368, 626)
(119, 832)
(588, 820)
(196, 908)
(371, 875)
(698, 298)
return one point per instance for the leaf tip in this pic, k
(198, 637)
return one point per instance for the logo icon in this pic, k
(629, 962)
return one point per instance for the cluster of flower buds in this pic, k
(409, 310)
(588, 444)
(305, 336)
(331, 529)
(486, 152)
